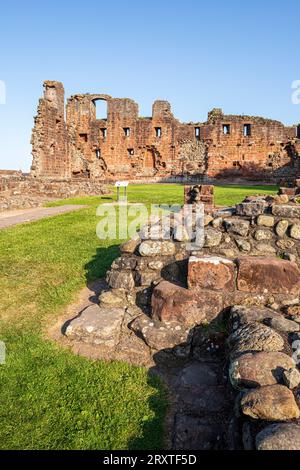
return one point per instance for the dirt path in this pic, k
(15, 217)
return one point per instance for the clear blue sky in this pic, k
(238, 55)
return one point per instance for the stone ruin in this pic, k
(220, 325)
(74, 142)
(76, 152)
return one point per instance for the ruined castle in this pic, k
(73, 143)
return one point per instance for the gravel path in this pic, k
(15, 217)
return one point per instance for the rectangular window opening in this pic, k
(158, 132)
(104, 132)
(247, 130)
(126, 131)
(98, 154)
(226, 129)
(83, 137)
(197, 133)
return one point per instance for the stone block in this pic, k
(268, 275)
(212, 273)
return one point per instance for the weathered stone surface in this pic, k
(237, 226)
(156, 265)
(180, 233)
(283, 436)
(217, 222)
(162, 337)
(228, 253)
(293, 310)
(254, 370)
(291, 378)
(260, 235)
(251, 209)
(243, 245)
(265, 249)
(157, 248)
(193, 433)
(266, 220)
(112, 298)
(120, 280)
(295, 231)
(146, 278)
(172, 303)
(124, 262)
(281, 228)
(241, 315)
(130, 246)
(212, 238)
(207, 219)
(285, 244)
(287, 211)
(210, 303)
(268, 275)
(270, 403)
(254, 337)
(197, 375)
(98, 326)
(211, 272)
(282, 324)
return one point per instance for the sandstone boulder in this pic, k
(157, 248)
(254, 370)
(291, 378)
(251, 208)
(282, 324)
(241, 315)
(254, 337)
(266, 220)
(260, 235)
(97, 326)
(237, 226)
(160, 336)
(120, 280)
(287, 211)
(172, 303)
(295, 231)
(212, 238)
(264, 275)
(211, 272)
(281, 228)
(283, 436)
(270, 403)
(131, 245)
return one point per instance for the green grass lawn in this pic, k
(50, 398)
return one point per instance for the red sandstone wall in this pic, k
(98, 148)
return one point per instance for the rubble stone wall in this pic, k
(245, 282)
(22, 191)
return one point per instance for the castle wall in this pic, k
(124, 145)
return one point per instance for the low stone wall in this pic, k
(266, 379)
(246, 279)
(24, 191)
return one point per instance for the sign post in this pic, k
(121, 184)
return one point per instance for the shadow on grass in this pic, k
(101, 262)
(152, 433)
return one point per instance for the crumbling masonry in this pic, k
(124, 145)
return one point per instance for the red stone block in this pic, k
(211, 272)
(172, 303)
(268, 275)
